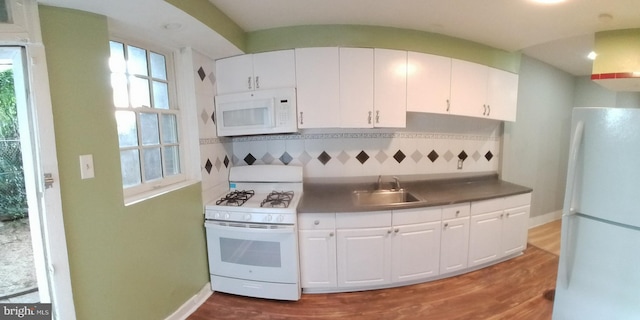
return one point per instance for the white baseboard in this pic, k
(192, 304)
(545, 218)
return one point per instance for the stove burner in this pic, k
(277, 199)
(235, 198)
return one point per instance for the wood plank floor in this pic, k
(546, 237)
(510, 290)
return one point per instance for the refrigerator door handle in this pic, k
(569, 206)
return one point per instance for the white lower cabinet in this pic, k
(498, 228)
(363, 250)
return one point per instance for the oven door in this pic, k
(253, 251)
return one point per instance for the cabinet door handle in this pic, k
(377, 116)
(330, 234)
(488, 112)
(457, 212)
(369, 118)
(389, 231)
(396, 230)
(507, 214)
(317, 222)
(249, 83)
(501, 215)
(257, 82)
(446, 225)
(301, 119)
(448, 105)
(484, 113)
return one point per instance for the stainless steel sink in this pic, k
(383, 197)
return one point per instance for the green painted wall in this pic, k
(380, 37)
(137, 262)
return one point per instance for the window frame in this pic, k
(152, 188)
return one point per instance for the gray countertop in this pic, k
(337, 196)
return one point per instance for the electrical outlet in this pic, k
(86, 166)
(460, 162)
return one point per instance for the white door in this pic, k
(235, 74)
(356, 87)
(318, 259)
(455, 245)
(484, 238)
(468, 88)
(275, 69)
(415, 251)
(428, 83)
(390, 88)
(318, 91)
(40, 158)
(364, 257)
(502, 95)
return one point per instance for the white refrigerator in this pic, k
(599, 269)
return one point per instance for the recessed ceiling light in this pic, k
(172, 26)
(548, 1)
(592, 55)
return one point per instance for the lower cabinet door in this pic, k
(317, 258)
(455, 245)
(485, 236)
(514, 230)
(364, 256)
(415, 251)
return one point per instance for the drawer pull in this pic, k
(317, 222)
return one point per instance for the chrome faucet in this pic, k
(397, 180)
(379, 182)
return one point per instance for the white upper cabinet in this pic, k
(269, 70)
(356, 88)
(390, 88)
(428, 83)
(481, 91)
(318, 87)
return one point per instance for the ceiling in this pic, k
(559, 34)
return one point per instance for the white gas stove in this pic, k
(251, 231)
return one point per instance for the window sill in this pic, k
(143, 196)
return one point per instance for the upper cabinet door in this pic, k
(234, 74)
(502, 95)
(469, 88)
(428, 83)
(356, 88)
(250, 72)
(390, 85)
(276, 69)
(318, 79)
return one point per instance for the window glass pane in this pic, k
(4, 13)
(160, 95)
(117, 62)
(169, 128)
(137, 61)
(127, 128)
(140, 92)
(158, 67)
(120, 92)
(150, 129)
(130, 166)
(152, 164)
(171, 160)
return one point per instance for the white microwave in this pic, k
(256, 112)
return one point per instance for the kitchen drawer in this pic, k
(486, 206)
(413, 216)
(517, 200)
(456, 211)
(368, 219)
(316, 221)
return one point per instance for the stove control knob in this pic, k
(281, 218)
(216, 215)
(269, 217)
(247, 216)
(226, 216)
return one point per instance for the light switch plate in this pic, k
(86, 166)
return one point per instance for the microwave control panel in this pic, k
(283, 108)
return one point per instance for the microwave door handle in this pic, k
(274, 112)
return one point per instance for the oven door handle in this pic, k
(280, 229)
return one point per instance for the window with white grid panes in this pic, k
(147, 119)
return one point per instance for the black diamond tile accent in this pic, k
(362, 157)
(249, 159)
(324, 157)
(226, 162)
(286, 158)
(488, 156)
(208, 166)
(201, 74)
(399, 156)
(462, 155)
(433, 156)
